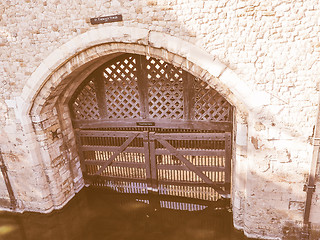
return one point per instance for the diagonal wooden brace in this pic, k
(116, 153)
(190, 166)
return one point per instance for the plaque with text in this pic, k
(106, 19)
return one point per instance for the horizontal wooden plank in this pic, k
(100, 133)
(163, 151)
(116, 164)
(189, 136)
(193, 152)
(159, 166)
(158, 123)
(111, 149)
(95, 177)
(180, 167)
(165, 182)
(184, 183)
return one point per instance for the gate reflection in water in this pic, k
(102, 214)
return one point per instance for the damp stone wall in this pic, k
(268, 53)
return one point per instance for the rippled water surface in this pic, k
(100, 214)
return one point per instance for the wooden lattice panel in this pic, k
(85, 106)
(165, 90)
(133, 87)
(209, 104)
(122, 96)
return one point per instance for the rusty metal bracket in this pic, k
(306, 187)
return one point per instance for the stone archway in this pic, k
(44, 99)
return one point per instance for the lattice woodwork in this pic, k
(209, 104)
(85, 106)
(122, 95)
(137, 87)
(165, 90)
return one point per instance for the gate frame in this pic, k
(54, 81)
(149, 150)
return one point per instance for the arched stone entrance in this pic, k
(46, 117)
(143, 124)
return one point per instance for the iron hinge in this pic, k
(306, 187)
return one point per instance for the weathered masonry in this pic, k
(200, 99)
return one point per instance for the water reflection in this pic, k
(100, 214)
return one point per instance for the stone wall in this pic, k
(268, 69)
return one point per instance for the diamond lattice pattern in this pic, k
(165, 94)
(85, 105)
(209, 104)
(121, 89)
(165, 89)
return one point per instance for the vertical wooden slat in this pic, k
(188, 98)
(100, 94)
(142, 83)
(81, 155)
(227, 174)
(146, 147)
(153, 160)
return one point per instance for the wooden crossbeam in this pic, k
(189, 165)
(116, 154)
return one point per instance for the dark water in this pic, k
(100, 214)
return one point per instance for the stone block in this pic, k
(242, 134)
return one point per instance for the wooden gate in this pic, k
(143, 124)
